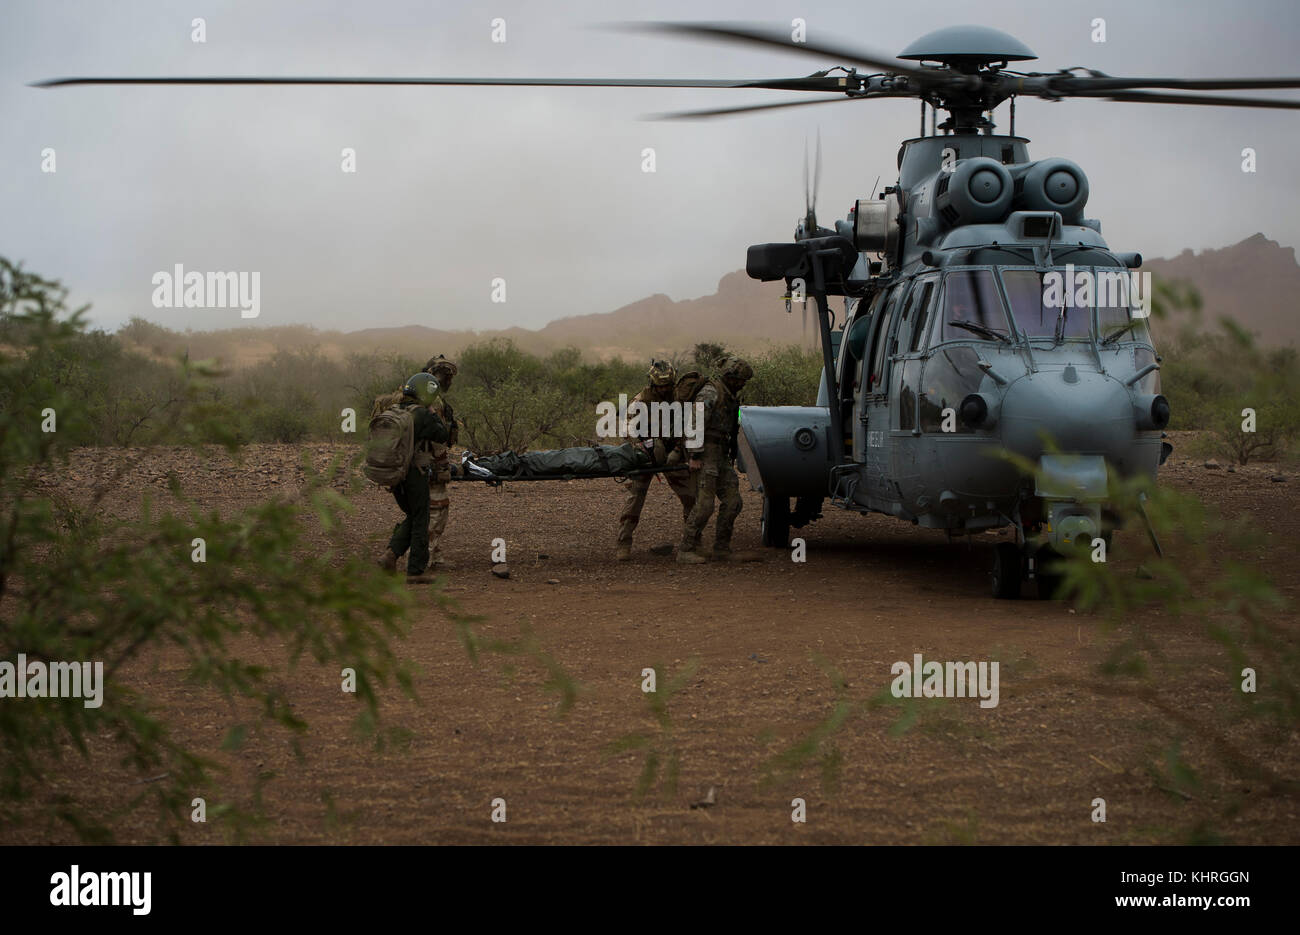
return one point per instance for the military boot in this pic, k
(624, 552)
(721, 553)
(388, 561)
(690, 558)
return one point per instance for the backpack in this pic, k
(688, 386)
(391, 446)
(387, 401)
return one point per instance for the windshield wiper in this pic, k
(980, 329)
(1116, 335)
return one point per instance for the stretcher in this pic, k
(593, 461)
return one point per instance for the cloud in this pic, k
(543, 187)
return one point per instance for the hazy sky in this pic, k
(544, 187)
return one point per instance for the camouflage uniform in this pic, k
(716, 477)
(662, 451)
(413, 497)
(439, 502)
(434, 453)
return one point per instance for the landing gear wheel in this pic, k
(1008, 571)
(776, 522)
(1049, 580)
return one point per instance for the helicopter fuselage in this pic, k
(993, 367)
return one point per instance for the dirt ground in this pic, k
(759, 641)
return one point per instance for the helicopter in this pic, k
(957, 345)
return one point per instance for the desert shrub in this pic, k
(366, 376)
(784, 376)
(149, 338)
(707, 357)
(280, 423)
(115, 396)
(510, 399)
(77, 584)
(1213, 376)
(490, 364)
(1237, 625)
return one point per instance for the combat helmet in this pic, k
(422, 387)
(736, 370)
(661, 374)
(441, 366)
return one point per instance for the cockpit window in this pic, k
(1036, 302)
(972, 308)
(1121, 314)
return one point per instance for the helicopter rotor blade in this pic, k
(809, 83)
(817, 175)
(1107, 83)
(1206, 100)
(807, 191)
(752, 108)
(749, 108)
(751, 35)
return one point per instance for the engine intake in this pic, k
(977, 191)
(1053, 185)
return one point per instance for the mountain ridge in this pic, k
(1255, 281)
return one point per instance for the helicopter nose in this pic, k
(1079, 411)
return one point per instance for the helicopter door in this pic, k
(873, 387)
(905, 384)
(852, 349)
(907, 364)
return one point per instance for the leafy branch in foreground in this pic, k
(1205, 610)
(659, 746)
(78, 584)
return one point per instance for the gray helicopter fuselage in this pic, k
(941, 422)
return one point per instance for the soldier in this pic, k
(443, 370)
(663, 382)
(419, 395)
(716, 476)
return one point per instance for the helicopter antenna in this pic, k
(874, 186)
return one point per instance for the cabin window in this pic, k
(909, 378)
(971, 308)
(875, 375)
(856, 336)
(921, 317)
(949, 375)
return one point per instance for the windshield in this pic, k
(1122, 314)
(1036, 305)
(972, 308)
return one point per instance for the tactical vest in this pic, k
(722, 419)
